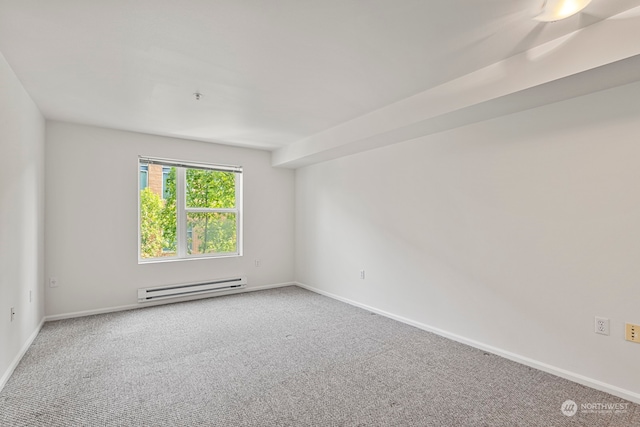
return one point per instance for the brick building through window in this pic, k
(154, 177)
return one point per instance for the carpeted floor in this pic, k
(282, 357)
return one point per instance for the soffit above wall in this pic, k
(598, 57)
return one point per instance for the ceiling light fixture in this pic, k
(555, 10)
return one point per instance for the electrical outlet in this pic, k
(53, 282)
(257, 263)
(602, 325)
(632, 332)
(13, 313)
(362, 274)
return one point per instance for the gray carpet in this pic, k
(283, 357)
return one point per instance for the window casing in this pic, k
(197, 213)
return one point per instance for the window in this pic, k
(189, 210)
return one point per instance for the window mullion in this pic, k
(181, 220)
(239, 210)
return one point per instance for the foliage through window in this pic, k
(189, 210)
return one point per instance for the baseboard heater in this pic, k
(187, 289)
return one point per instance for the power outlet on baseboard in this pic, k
(602, 326)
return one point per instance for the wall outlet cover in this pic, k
(602, 326)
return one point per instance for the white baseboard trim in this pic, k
(161, 302)
(563, 373)
(18, 358)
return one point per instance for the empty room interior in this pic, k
(323, 213)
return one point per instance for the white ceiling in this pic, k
(272, 72)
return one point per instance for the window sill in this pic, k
(194, 258)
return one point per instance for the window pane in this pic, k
(210, 189)
(158, 219)
(211, 233)
(168, 182)
(144, 182)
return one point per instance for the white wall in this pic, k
(91, 239)
(513, 232)
(21, 219)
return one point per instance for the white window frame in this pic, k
(182, 209)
